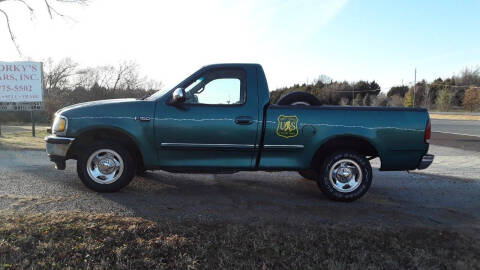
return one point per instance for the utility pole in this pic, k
(414, 87)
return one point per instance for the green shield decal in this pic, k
(287, 126)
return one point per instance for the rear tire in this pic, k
(308, 174)
(345, 176)
(141, 171)
(106, 167)
(299, 98)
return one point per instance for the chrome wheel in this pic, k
(345, 175)
(105, 166)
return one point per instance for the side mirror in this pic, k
(178, 96)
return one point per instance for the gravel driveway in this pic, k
(446, 194)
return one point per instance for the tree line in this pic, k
(459, 92)
(361, 93)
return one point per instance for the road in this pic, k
(456, 133)
(464, 127)
(438, 196)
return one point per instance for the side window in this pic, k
(225, 87)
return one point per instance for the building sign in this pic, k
(21, 86)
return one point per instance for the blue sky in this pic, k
(295, 41)
(389, 39)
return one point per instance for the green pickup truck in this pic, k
(220, 120)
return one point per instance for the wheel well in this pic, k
(91, 136)
(360, 145)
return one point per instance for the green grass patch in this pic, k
(19, 137)
(57, 241)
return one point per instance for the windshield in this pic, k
(158, 94)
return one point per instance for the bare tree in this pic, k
(325, 79)
(104, 76)
(471, 100)
(127, 76)
(395, 101)
(124, 76)
(86, 78)
(50, 7)
(468, 76)
(380, 100)
(58, 75)
(152, 84)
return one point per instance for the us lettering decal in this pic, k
(287, 126)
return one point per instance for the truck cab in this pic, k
(218, 117)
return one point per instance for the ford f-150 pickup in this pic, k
(220, 120)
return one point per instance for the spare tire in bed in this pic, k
(299, 98)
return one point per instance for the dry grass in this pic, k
(54, 241)
(454, 116)
(22, 203)
(19, 137)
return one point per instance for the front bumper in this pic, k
(57, 149)
(425, 161)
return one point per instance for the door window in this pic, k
(225, 87)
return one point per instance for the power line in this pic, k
(443, 84)
(356, 91)
(455, 86)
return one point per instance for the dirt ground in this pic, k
(438, 196)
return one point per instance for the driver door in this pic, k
(215, 127)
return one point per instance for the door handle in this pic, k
(243, 120)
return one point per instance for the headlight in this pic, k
(59, 126)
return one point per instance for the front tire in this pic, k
(106, 167)
(345, 176)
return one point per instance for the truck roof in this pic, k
(223, 65)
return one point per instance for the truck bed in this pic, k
(396, 133)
